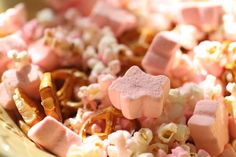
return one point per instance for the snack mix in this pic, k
(123, 78)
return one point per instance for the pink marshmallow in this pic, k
(43, 56)
(161, 53)
(209, 126)
(228, 151)
(53, 136)
(12, 20)
(232, 127)
(138, 94)
(119, 20)
(204, 15)
(27, 78)
(10, 42)
(6, 99)
(178, 152)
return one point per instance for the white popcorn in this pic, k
(19, 58)
(122, 144)
(46, 15)
(114, 67)
(90, 52)
(92, 147)
(208, 50)
(92, 62)
(166, 132)
(210, 88)
(189, 35)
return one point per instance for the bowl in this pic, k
(13, 142)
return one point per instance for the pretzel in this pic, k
(27, 108)
(108, 114)
(71, 78)
(49, 98)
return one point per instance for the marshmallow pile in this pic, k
(122, 78)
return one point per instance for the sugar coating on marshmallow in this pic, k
(139, 94)
(53, 136)
(161, 53)
(209, 126)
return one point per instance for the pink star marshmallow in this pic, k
(138, 94)
(54, 136)
(209, 126)
(161, 53)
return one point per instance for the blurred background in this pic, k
(32, 5)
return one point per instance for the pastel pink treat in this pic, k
(53, 136)
(27, 78)
(138, 94)
(232, 127)
(209, 126)
(178, 152)
(10, 42)
(12, 20)
(6, 98)
(119, 20)
(228, 151)
(161, 53)
(203, 153)
(43, 56)
(204, 15)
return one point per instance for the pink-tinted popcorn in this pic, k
(205, 15)
(161, 53)
(117, 19)
(210, 118)
(178, 152)
(138, 94)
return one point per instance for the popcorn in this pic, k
(20, 58)
(182, 133)
(125, 145)
(188, 120)
(209, 54)
(166, 132)
(92, 146)
(45, 15)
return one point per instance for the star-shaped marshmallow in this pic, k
(138, 94)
